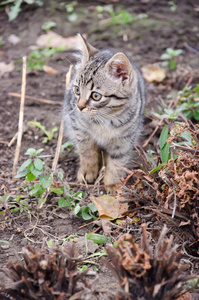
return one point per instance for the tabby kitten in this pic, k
(103, 111)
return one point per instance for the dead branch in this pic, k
(46, 101)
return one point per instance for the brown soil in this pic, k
(147, 40)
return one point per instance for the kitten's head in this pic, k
(104, 81)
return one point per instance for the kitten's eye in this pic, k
(77, 90)
(96, 96)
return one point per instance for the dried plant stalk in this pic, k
(145, 274)
(21, 115)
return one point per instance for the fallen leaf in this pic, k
(6, 68)
(50, 70)
(153, 73)
(54, 40)
(109, 207)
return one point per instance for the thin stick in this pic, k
(59, 143)
(47, 101)
(13, 140)
(21, 115)
(61, 129)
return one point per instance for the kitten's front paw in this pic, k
(110, 185)
(89, 175)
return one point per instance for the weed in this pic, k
(169, 57)
(67, 145)
(189, 100)
(39, 180)
(48, 25)
(49, 133)
(39, 57)
(173, 6)
(121, 17)
(15, 8)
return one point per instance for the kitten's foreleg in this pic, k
(89, 160)
(114, 173)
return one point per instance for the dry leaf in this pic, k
(54, 40)
(153, 73)
(109, 207)
(50, 70)
(6, 68)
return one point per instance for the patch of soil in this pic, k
(145, 40)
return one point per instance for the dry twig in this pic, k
(46, 101)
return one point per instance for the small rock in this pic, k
(13, 39)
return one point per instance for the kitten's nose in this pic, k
(81, 107)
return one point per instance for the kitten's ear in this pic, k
(119, 67)
(86, 48)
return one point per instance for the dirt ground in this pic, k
(144, 40)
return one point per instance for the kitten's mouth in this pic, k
(89, 111)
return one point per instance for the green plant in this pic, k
(67, 145)
(39, 57)
(15, 8)
(39, 180)
(173, 6)
(31, 169)
(170, 114)
(189, 100)
(48, 25)
(164, 145)
(121, 17)
(169, 57)
(49, 133)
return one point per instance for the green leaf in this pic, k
(165, 56)
(38, 163)
(85, 213)
(80, 195)
(34, 191)
(14, 10)
(170, 51)
(196, 89)
(46, 181)
(30, 177)
(76, 209)
(39, 151)
(164, 153)
(58, 191)
(157, 168)
(196, 115)
(96, 238)
(34, 171)
(187, 136)
(68, 145)
(172, 64)
(177, 52)
(48, 25)
(31, 151)
(25, 165)
(22, 174)
(163, 136)
(92, 207)
(62, 202)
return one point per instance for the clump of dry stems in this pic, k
(41, 276)
(148, 274)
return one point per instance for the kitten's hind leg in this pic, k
(89, 160)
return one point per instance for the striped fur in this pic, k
(111, 124)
